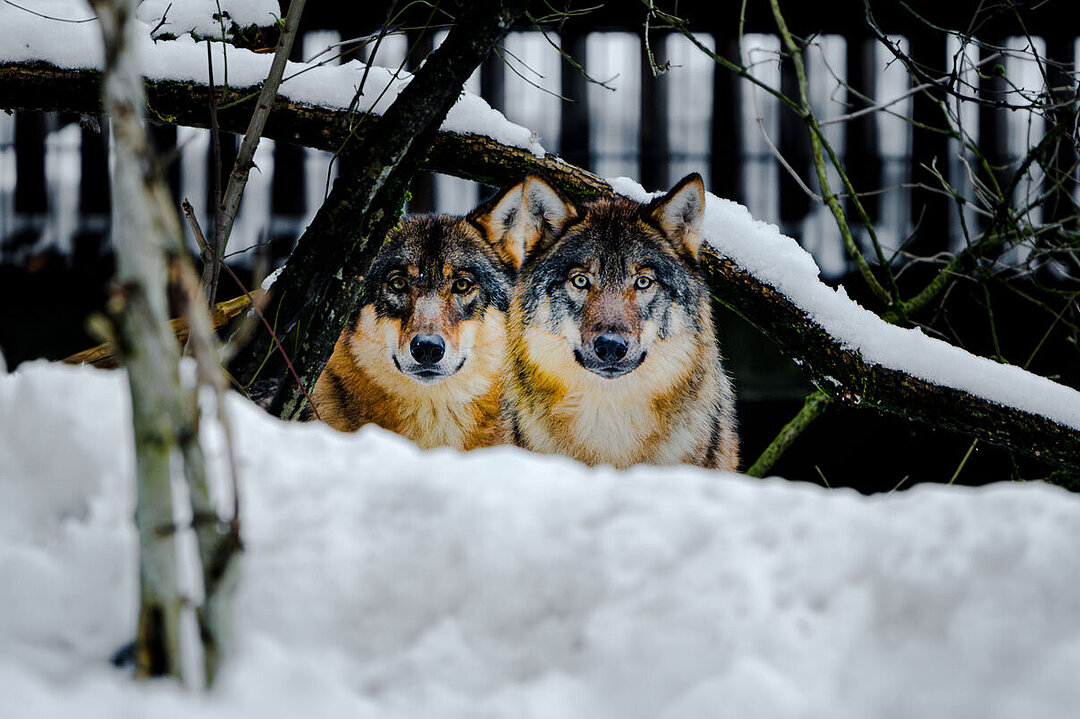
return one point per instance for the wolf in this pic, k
(612, 353)
(423, 354)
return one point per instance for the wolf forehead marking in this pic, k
(433, 250)
(614, 245)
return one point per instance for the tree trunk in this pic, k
(150, 259)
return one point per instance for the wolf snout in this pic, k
(427, 349)
(610, 347)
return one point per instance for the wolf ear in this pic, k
(680, 213)
(516, 220)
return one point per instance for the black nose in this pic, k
(610, 347)
(427, 349)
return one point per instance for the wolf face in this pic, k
(618, 283)
(611, 338)
(429, 290)
(424, 353)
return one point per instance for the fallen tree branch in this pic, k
(839, 372)
(103, 356)
(41, 86)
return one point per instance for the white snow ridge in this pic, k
(383, 581)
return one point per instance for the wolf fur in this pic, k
(424, 353)
(612, 352)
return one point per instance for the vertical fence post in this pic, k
(725, 152)
(94, 200)
(862, 156)
(1060, 51)
(288, 186)
(30, 195)
(653, 131)
(929, 210)
(574, 119)
(795, 149)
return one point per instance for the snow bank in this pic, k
(27, 37)
(778, 260)
(383, 581)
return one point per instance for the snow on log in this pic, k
(765, 277)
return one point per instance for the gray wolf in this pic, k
(423, 355)
(613, 357)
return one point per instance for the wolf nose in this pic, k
(427, 349)
(610, 347)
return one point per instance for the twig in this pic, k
(230, 204)
(815, 404)
(210, 252)
(189, 212)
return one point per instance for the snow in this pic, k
(778, 260)
(380, 580)
(28, 37)
(180, 18)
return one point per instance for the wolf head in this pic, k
(433, 289)
(614, 277)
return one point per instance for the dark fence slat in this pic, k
(861, 151)
(929, 210)
(1061, 51)
(795, 148)
(726, 154)
(653, 130)
(94, 160)
(30, 194)
(574, 122)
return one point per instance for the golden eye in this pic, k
(643, 282)
(579, 281)
(462, 285)
(397, 284)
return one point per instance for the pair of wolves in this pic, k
(578, 329)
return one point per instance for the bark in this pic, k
(842, 374)
(40, 86)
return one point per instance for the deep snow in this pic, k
(383, 581)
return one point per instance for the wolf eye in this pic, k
(579, 281)
(462, 285)
(643, 282)
(397, 284)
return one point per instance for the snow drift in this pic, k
(383, 581)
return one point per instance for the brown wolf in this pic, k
(613, 355)
(424, 353)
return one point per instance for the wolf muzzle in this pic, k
(610, 355)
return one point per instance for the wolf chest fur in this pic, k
(612, 348)
(424, 353)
